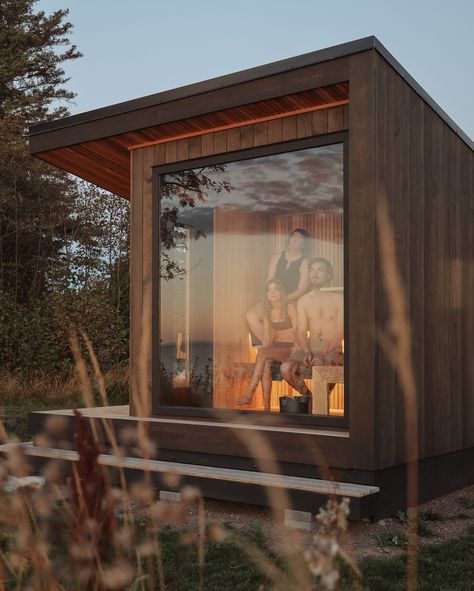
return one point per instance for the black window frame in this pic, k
(256, 417)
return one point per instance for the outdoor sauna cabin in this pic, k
(219, 175)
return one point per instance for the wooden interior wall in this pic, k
(242, 254)
(425, 172)
(315, 123)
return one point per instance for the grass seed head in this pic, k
(56, 426)
(190, 494)
(116, 577)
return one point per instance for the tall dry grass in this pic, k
(100, 545)
(395, 339)
(44, 388)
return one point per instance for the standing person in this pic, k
(279, 331)
(321, 314)
(290, 267)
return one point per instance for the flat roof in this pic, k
(279, 67)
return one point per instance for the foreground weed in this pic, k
(422, 520)
(256, 534)
(430, 516)
(461, 515)
(391, 539)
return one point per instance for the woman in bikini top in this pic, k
(279, 336)
(290, 267)
(282, 330)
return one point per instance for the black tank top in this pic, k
(289, 276)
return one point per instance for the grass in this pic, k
(424, 518)
(391, 539)
(20, 395)
(226, 566)
(442, 567)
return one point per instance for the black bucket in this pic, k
(295, 405)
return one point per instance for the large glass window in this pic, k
(251, 284)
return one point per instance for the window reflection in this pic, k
(251, 288)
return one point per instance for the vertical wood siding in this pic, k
(426, 174)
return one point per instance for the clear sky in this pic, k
(137, 47)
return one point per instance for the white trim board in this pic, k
(313, 485)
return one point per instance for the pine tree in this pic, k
(31, 192)
(61, 261)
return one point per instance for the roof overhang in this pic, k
(96, 145)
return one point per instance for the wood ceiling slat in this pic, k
(105, 162)
(116, 161)
(64, 162)
(99, 168)
(83, 156)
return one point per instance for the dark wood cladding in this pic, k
(195, 441)
(426, 173)
(360, 227)
(254, 91)
(310, 124)
(316, 97)
(249, 136)
(106, 161)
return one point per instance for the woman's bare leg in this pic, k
(254, 318)
(290, 372)
(270, 355)
(247, 397)
(267, 384)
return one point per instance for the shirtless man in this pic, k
(322, 314)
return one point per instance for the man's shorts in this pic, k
(334, 357)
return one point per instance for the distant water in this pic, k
(200, 357)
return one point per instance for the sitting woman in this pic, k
(291, 269)
(279, 330)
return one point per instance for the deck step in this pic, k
(310, 485)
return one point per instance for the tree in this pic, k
(31, 74)
(63, 242)
(180, 191)
(31, 192)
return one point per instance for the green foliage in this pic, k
(63, 243)
(257, 535)
(405, 516)
(35, 336)
(423, 518)
(32, 194)
(430, 516)
(31, 74)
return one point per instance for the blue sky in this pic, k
(135, 48)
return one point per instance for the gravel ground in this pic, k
(363, 538)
